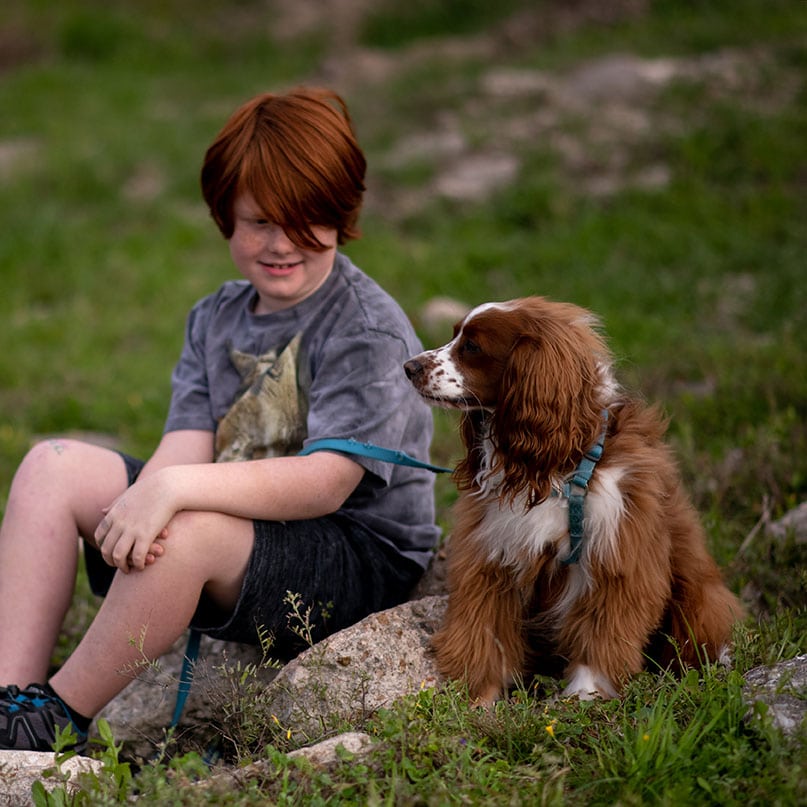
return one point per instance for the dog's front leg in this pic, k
(481, 641)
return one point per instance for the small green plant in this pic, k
(299, 617)
(113, 783)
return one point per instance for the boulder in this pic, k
(20, 769)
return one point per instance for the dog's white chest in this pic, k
(512, 535)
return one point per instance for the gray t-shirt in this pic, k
(347, 342)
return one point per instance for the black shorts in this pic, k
(335, 567)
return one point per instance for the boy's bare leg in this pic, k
(203, 551)
(57, 494)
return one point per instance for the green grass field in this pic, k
(668, 197)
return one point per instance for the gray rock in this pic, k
(794, 521)
(20, 769)
(782, 689)
(438, 315)
(324, 755)
(351, 674)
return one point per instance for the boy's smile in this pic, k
(280, 269)
(282, 273)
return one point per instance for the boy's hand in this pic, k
(131, 533)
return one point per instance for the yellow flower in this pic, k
(550, 730)
(645, 737)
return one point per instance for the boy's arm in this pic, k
(185, 447)
(276, 489)
(299, 487)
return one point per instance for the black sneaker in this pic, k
(29, 717)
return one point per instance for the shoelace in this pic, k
(27, 699)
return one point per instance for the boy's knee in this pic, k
(47, 456)
(210, 531)
(183, 523)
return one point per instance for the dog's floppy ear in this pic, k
(548, 413)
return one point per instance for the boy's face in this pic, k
(283, 274)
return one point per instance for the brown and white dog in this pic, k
(534, 381)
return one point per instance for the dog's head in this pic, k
(536, 375)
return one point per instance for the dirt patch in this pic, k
(17, 46)
(601, 120)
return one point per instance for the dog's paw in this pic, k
(587, 684)
(488, 697)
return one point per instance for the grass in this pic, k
(665, 742)
(699, 283)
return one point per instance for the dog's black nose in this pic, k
(412, 368)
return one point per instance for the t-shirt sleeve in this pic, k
(359, 391)
(190, 392)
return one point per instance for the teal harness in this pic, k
(574, 490)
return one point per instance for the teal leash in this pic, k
(370, 450)
(186, 675)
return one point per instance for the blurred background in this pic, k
(643, 158)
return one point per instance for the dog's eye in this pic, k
(470, 347)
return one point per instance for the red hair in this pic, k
(297, 156)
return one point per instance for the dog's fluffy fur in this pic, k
(532, 378)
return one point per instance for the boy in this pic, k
(305, 347)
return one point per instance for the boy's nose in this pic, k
(277, 237)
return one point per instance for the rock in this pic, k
(323, 755)
(361, 669)
(341, 679)
(794, 521)
(477, 176)
(438, 315)
(434, 580)
(783, 690)
(20, 769)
